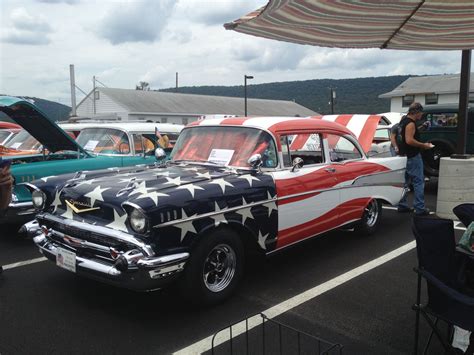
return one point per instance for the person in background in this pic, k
(411, 146)
(5, 189)
(393, 140)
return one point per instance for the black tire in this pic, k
(431, 157)
(370, 219)
(221, 256)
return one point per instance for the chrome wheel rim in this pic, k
(371, 213)
(219, 268)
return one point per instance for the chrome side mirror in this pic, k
(255, 161)
(160, 154)
(297, 163)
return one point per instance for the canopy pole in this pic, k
(463, 101)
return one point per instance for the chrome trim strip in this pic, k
(107, 232)
(162, 261)
(20, 204)
(209, 214)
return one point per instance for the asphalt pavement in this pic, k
(44, 309)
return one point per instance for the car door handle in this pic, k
(330, 170)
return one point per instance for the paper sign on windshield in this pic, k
(91, 145)
(221, 156)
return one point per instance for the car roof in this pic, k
(126, 126)
(441, 107)
(274, 124)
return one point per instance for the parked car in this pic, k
(62, 154)
(441, 122)
(232, 185)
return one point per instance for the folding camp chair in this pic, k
(441, 267)
(465, 213)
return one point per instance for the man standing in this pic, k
(5, 188)
(412, 147)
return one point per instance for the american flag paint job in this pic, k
(184, 201)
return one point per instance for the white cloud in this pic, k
(26, 29)
(141, 21)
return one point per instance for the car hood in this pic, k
(48, 133)
(362, 126)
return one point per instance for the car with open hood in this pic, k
(127, 144)
(232, 186)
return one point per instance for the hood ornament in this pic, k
(80, 207)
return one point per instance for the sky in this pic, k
(123, 42)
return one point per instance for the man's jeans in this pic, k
(414, 175)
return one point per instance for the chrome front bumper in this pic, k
(136, 268)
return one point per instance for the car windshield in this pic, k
(104, 141)
(23, 141)
(224, 145)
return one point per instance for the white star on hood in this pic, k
(186, 226)
(262, 239)
(191, 188)
(119, 222)
(245, 212)
(68, 214)
(249, 178)
(219, 218)
(57, 201)
(45, 179)
(141, 189)
(206, 175)
(176, 181)
(85, 182)
(222, 183)
(96, 195)
(152, 195)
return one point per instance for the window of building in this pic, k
(164, 120)
(185, 120)
(407, 100)
(306, 146)
(431, 99)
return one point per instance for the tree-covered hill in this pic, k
(352, 95)
(54, 110)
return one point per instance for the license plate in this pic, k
(66, 259)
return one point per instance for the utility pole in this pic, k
(245, 92)
(176, 90)
(331, 99)
(73, 90)
(93, 92)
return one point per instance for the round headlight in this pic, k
(38, 198)
(138, 221)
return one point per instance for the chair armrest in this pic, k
(448, 291)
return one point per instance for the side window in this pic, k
(342, 149)
(306, 146)
(143, 144)
(138, 143)
(449, 119)
(407, 100)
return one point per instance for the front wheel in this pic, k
(370, 218)
(214, 268)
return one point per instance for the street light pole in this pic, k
(245, 91)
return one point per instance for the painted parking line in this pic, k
(204, 345)
(23, 263)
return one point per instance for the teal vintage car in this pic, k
(98, 146)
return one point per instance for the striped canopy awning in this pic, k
(391, 24)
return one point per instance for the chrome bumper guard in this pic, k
(136, 269)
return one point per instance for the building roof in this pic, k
(432, 84)
(139, 101)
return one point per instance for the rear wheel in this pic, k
(370, 218)
(214, 269)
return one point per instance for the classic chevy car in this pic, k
(232, 185)
(61, 154)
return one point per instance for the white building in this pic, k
(125, 104)
(427, 90)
